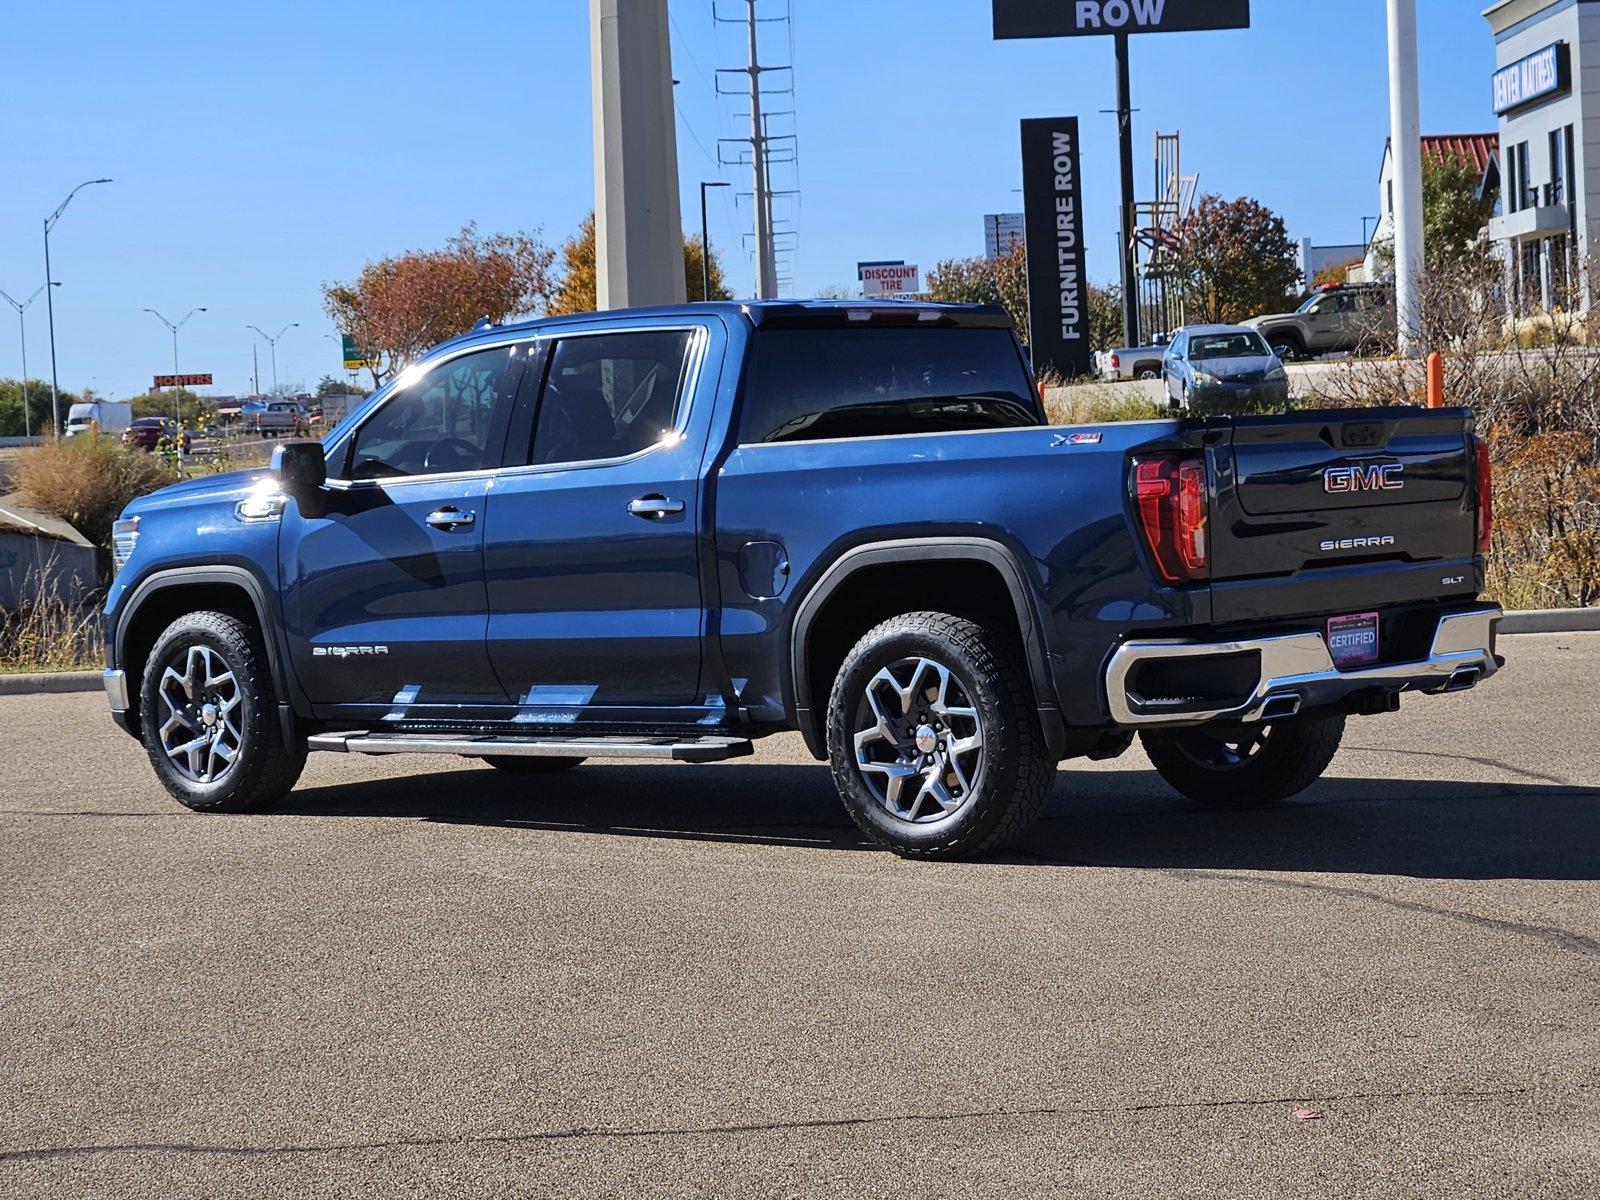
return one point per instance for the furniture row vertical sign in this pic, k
(1058, 292)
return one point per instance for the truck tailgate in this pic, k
(1362, 507)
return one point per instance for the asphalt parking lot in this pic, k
(419, 976)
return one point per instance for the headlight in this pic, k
(1276, 374)
(124, 536)
(1203, 380)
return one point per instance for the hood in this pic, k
(1243, 364)
(1268, 319)
(202, 488)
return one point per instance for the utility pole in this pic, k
(1405, 138)
(1130, 280)
(766, 259)
(638, 224)
(22, 336)
(177, 392)
(255, 369)
(705, 240)
(272, 343)
(49, 303)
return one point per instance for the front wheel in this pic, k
(934, 737)
(208, 717)
(1288, 350)
(1247, 765)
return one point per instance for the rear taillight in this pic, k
(1169, 497)
(1116, 362)
(1485, 484)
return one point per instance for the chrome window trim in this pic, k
(698, 345)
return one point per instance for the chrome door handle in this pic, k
(451, 518)
(655, 507)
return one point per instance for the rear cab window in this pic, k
(811, 384)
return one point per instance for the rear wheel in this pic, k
(530, 764)
(1245, 765)
(934, 738)
(1147, 373)
(208, 717)
(1287, 349)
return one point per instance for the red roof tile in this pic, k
(1479, 149)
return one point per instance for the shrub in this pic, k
(88, 481)
(50, 635)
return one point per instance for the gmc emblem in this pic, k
(1384, 477)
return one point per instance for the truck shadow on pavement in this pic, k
(1440, 829)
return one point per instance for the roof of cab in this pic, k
(782, 314)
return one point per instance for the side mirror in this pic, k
(300, 466)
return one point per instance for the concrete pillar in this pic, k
(638, 226)
(1405, 132)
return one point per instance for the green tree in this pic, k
(190, 408)
(1233, 259)
(577, 292)
(11, 422)
(400, 306)
(1004, 281)
(1453, 213)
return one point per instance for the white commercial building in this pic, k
(1547, 67)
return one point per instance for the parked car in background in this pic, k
(110, 417)
(276, 418)
(146, 433)
(1132, 362)
(1207, 366)
(1339, 317)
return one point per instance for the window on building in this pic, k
(1558, 167)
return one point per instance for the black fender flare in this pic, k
(810, 720)
(166, 579)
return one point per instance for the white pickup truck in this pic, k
(1131, 362)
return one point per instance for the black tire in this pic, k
(1147, 373)
(1009, 783)
(1288, 349)
(1247, 766)
(526, 764)
(263, 768)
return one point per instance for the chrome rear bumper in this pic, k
(1297, 672)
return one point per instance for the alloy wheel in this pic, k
(919, 741)
(200, 730)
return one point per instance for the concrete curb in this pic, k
(54, 681)
(1552, 620)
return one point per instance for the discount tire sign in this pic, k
(890, 279)
(1083, 18)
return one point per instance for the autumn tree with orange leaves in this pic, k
(400, 306)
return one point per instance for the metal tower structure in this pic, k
(771, 142)
(1156, 238)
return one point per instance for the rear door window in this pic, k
(610, 395)
(811, 384)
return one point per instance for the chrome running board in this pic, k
(468, 745)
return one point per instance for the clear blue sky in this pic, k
(260, 150)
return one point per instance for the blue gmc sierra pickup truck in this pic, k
(662, 533)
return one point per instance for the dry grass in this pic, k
(1099, 404)
(88, 481)
(51, 635)
(1536, 400)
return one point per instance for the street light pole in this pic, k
(705, 241)
(22, 336)
(50, 308)
(176, 398)
(272, 344)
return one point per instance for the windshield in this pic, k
(1227, 345)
